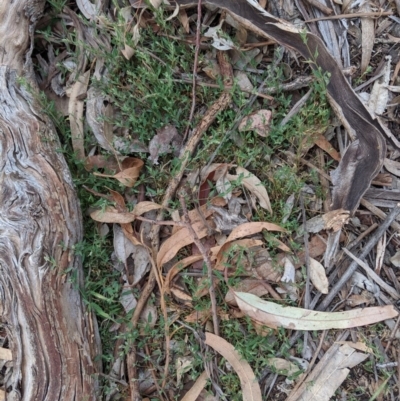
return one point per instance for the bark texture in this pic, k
(52, 338)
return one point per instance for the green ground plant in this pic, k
(148, 93)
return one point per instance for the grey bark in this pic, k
(51, 334)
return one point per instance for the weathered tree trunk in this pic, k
(51, 336)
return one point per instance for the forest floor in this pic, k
(201, 154)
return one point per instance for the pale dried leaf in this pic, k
(123, 247)
(288, 272)
(250, 387)
(144, 207)
(358, 279)
(283, 367)
(274, 315)
(329, 374)
(112, 215)
(127, 298)
(367, 38)
(392, 166)
(166, 139)
(219, 41)
(174, 14)
(94, 113)
(379, 97)
(5, 354)
(359, 346)
(182, 364)
(258, 121)
(252, 228)
(254, 185)
(245, 85)
(197, 387)
(87, 8)
(395, 259)
(75, 111)
(318, 276)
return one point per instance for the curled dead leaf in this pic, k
(129, 174)
(318, 276)
(259, 121)
(250, 387)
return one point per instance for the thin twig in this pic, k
(354, 265)
(354, 15)
(206, 259)
(196, 58)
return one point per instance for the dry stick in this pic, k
(378, 212)
(206, 259)
(355, 15)
(196, 58)
(354, 265)
(307, 296)
(221, 103)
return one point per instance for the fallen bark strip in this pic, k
(52, 337)
(364, 157)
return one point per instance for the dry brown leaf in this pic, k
(326, 146)
(244, 230)
(195, 391)
(222, 256)
(75, 111)
(144, 207)
(254, 185)
(258, 121)
(198, 316)
(101, 161)
(182, 237)
(318, 276)
(130, 172)
(250, 387)
(274, 315)
(112, 215)
(183, 18)
(247, 229)
(178, 267)
(181, 296)
(248, 285)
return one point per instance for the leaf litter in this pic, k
(258, 261)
